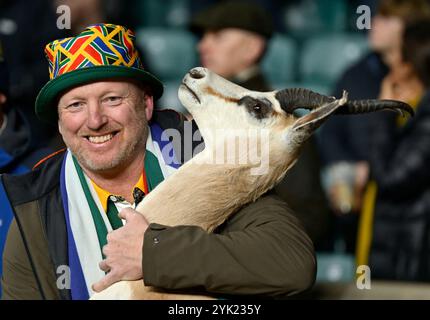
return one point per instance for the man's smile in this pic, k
(100, 139)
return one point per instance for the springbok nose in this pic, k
(197, 73)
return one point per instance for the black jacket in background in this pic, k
(344, 138)
(31, 25)
(399, 162)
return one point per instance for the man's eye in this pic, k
(112, 101)
(75, 105)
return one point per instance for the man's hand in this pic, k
(123, 251)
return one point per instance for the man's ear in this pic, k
(149, 109)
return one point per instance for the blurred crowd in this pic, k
(361, 186)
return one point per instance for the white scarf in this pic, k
(81, 221)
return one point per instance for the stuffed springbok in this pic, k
(252, 122)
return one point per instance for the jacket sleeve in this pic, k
(18, 280)
(399, 161)
(261, 250)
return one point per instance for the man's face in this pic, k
(229, 51)
(105, 124)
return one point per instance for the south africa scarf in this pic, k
(87, 223)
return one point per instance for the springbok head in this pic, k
(216, 103)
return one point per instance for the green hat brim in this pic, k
(46, 101)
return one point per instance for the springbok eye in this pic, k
(259, 108)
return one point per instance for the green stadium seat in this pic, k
(169, 53)
(314, 86)
(335, 267)
(280, 62)
(161, 13)
(179, 14)
(325, 57)
(308, 17)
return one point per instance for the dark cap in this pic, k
(234, 14)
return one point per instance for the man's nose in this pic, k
(96, 116)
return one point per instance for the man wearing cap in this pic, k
(18, 150)
(233, 41)
(234, 36)
(58, 245)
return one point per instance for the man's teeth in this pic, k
(100, 139)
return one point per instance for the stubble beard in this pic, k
(125, 155)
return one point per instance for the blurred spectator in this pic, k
(399, 157)
(233, 41)
(344, 143)
(88, 12)
(274, 7)
(25, 27)
(83, 13)
(18, 153)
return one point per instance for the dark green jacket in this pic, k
(261, 250)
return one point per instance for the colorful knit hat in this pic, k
(101, 51)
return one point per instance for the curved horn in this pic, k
(365, 106)
(297, 98)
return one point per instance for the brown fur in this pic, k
(213, 92)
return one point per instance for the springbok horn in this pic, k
(365, 106)
(299, 98)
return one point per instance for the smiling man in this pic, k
(100, 123)
(75, 230)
